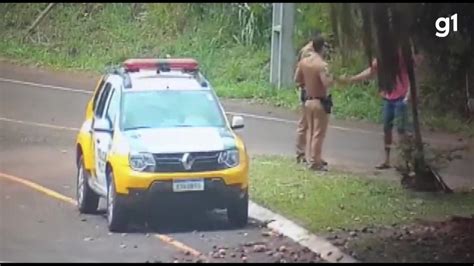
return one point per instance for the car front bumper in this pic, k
(127, 180)
(160, 196)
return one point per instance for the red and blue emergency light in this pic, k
(183, 64)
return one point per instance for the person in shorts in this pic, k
(395, 107)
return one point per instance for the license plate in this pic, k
(188, 185)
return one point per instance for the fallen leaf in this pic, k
(221, 252)
(266, 222)
(123, 246)
(87, 239)
(248, 244)
(259, 248)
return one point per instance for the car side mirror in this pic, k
(237, 122)
(103, 125)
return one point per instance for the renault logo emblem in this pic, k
(187, 161)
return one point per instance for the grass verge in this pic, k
(340, 200)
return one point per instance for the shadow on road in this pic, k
(170, 223)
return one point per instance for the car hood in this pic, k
(177, 140)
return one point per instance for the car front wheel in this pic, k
(87, 200)
(116, 212)
(238, 212)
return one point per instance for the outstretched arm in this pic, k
(368, 73)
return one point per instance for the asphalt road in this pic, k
(38, 127)
(39, 221)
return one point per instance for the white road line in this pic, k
(44, 86)
(267, 118)
(282, 120)
(5, 119)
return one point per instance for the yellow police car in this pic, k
(156, 136)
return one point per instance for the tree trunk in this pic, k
(414, 107)
(426, 178)
(419, 158)
(40, 17)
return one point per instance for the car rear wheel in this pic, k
(87, 200)
(238, 212)
(116, 212)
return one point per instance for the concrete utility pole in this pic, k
(282, 54)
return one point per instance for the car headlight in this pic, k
(229, 158)
(142, 161)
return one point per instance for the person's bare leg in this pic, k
(388, 145)
(388, 117)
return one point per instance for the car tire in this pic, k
(87, 200)
(238, 212)
(116, 211)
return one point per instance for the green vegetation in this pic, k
(340, 200)
(230, 40)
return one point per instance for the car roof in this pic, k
(172, 80)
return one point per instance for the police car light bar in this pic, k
(185, 64)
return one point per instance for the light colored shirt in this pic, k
(312, 74)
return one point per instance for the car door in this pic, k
(92, 104)
(100, 137)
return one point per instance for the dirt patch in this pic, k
(424, 241)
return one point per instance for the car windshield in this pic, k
(167, 109)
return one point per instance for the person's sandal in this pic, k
(383, 166)
(300, 159)
(321, 168)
